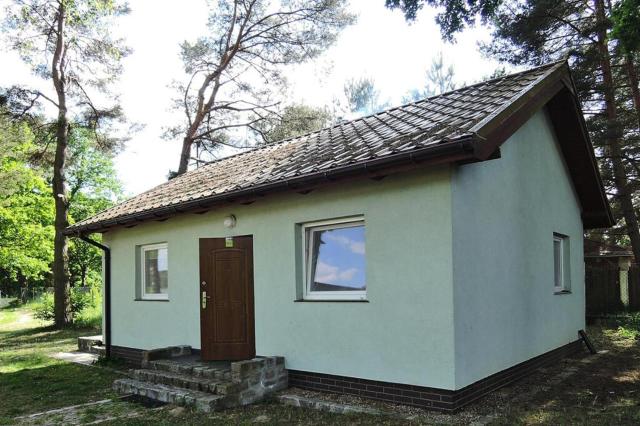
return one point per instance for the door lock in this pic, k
(204, 299)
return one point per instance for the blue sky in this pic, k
(342, 257)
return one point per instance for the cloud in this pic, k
(330, 274)
(356, 247)
(348, 274)
(326, 273)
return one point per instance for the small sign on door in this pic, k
(228, 242)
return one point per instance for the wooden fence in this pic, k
(603, 290)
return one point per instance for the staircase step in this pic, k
(210, 370)
(98, 349)
(186, 381)
(202, 401)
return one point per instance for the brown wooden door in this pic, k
(227, 327)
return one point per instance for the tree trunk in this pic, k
(614, 133)
(23, 286)
(62, 308)
(185, 154)
(633, 82)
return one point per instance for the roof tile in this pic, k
(416, 125)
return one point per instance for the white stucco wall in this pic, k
(505, 212)
(405, 334)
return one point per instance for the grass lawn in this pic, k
(32, 381)
(601, 390)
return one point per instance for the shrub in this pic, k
(44, 309)
(629, 325)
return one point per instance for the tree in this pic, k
(93, 187)
(295, 120)
(625, 16)
(362, 96)
(456, 16)
(440, 79)
(68, 43)
(235, 71)
(26, 211)
(16, 144)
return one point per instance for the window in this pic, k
(561, 268)
(154, 272)
(334, 260)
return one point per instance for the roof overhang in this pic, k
(460, 150)
(556, 93)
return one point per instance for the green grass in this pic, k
(30, 379)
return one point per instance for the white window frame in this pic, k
(564, 286)
(143, 294)
(348, 222)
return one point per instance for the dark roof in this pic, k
(467, 124)
(593, 248)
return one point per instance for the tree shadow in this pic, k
(37, 389)
(582, 390)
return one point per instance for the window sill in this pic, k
(558, 292)
(332, 300)
(150, 300)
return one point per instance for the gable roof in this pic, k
(467, 124)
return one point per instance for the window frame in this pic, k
(307, 228)
(565, 281)
(143, 293)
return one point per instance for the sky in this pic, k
(381, 45)
(341, 257)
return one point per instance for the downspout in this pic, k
(107, 292)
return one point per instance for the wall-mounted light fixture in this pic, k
(230, 221)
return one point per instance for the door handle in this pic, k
(204, 299)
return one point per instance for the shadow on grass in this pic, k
(604, 391)
(33, 390)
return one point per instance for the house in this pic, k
(425, 255)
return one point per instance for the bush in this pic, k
(629, 325)
(44, 309)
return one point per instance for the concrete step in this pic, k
(186, 381)
(211, 370)
(87, 343)
(202, 401)
(98, 350)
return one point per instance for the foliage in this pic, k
(26, 211)
(440, 79)
(456, 16)
(362, 96)
(234, 74)
(295, 120)
(15, 147)
(93, 187)
(626, 24)
(80, 301)
(629, 325)
(89, 317)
